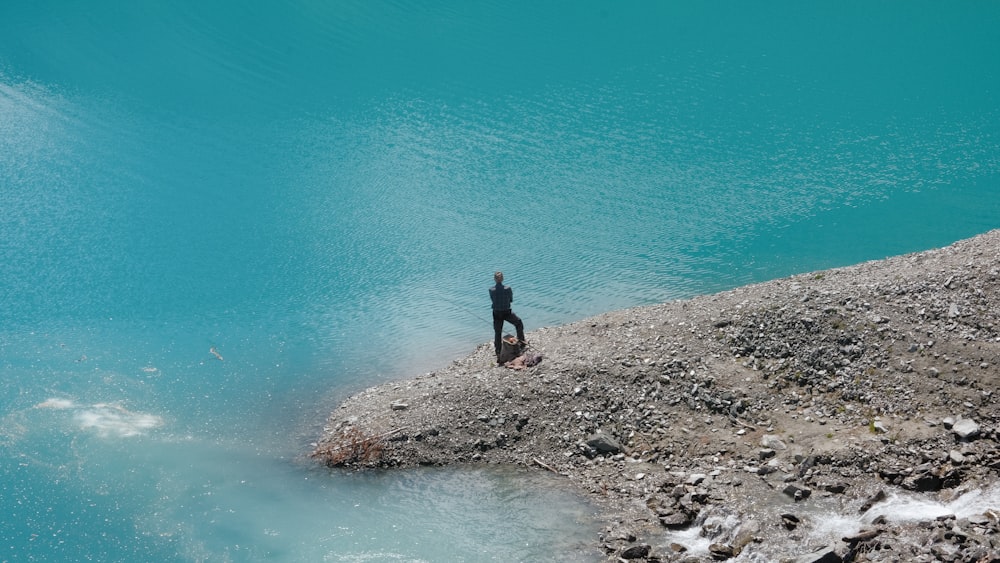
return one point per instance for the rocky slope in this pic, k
(739, 425)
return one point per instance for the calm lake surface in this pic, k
(218, 219)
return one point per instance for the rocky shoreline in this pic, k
(741, 425)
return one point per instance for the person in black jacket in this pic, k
(502, 296)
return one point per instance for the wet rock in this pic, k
(825, 555)
(861, 537)
(636, 552)
(721, 551)
(950, 478)
(923, 482)
(747, 533)
(711, 529)
(790, 521)
(872, 501)
(676, 520)
(796, 492)
(677, 548)
(622, 534)
(834, 487)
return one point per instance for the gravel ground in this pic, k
(734, 426)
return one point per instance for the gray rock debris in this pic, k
(966, 429)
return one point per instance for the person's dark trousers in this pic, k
(498, 319)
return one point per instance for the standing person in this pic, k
(502, 296)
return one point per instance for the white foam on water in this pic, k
(691, 539)
(903, 507)
(106, 419)
(825, 523)
(115, 421)
(912, 507)
(56, 403)
(977, 502)
(833, 526)
(365, 556)
(697, 541)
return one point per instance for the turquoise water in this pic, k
(320, 192)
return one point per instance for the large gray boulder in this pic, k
(604, 444)
(966, 429)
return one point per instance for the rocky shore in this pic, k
(783, 421)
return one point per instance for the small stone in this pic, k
(399, 405)
(695, 478)
(622, 534)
